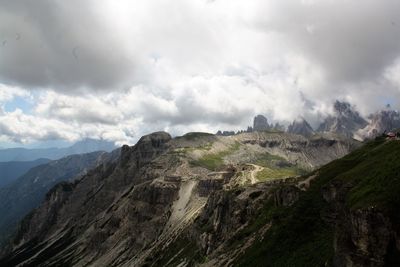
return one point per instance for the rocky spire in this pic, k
(381, 121)
(301, 127)
(345, 120)
(260, 123)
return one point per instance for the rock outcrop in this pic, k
(380, 122)
(302, 127)
(345, 121)
(363, 236)
(119, 203)
(260, 123)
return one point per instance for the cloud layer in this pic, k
(119, 69)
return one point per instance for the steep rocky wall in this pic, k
(98, 212)
(363, 236)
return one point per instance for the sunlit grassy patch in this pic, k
(215, 160)
(270, 174)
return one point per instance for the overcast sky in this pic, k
(119, 69)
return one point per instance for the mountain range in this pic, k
(261, 197)
(24, 194)
(169, 201)
(344, 120)
(83, 146)
(11, 170)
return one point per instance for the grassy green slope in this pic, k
(216, 160)
(299, 237)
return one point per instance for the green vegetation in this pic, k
(270, 174)
(205, 147)
(269, 160)
(299, 236)
(276, 167)
(195, 135)
(216, 160)
(376, 178)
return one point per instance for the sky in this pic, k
(117, 70)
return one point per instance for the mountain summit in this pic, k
(260, 123)
(302, 127)
(380, 122)
(346, 120)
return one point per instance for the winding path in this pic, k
(254, 172)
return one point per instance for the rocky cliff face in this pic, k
(363, 236)
(380, 122)
(169, 202)
(260, 123)
(345, 121)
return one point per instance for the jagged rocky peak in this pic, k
(381, 121)
(345, 120)
(260, 123)
(343, 108)
(147, 146)
(301, 127)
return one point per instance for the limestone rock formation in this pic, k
(380, 122)
(301, 127)
(345, 121)
(260, 123)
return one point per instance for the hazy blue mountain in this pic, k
(25, 193)
(84, 146)
(9, 171)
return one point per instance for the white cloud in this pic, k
(119, 69)
(8, 93)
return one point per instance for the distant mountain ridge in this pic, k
(24, 194)
(84, 146)
(348, 122)
(345, 120)
(9, 171)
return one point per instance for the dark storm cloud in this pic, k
(180, 65)
(59, 44)
(351, 40)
